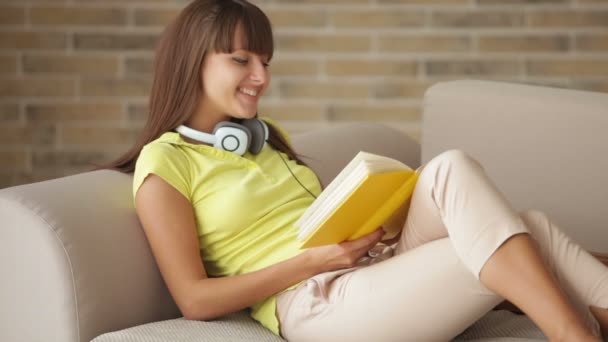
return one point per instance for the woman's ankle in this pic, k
(575, 334)
(571, 329)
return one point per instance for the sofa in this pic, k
(76, 265)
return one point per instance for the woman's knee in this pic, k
(536, 220)
(454, 157)
(533, 215)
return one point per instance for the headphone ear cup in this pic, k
(259, 134)
(233, 137)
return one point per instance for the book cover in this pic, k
(358, 201)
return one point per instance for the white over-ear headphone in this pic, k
(250, 135)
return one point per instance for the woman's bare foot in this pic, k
(602, 317)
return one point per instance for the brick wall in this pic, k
(74, 74)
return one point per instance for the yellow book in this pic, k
(358, 201)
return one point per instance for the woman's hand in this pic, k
(344, 254)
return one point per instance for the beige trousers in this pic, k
(430, 289)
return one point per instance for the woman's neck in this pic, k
(205, 119)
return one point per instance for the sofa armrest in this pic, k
(75, 261)
(544, 147)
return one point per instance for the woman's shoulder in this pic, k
(168, 142)
(163, 150)
(164, 159)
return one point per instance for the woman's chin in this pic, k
(249, 114)
(247, 108)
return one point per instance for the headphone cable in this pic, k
(294, 176)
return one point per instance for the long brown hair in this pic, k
(202, 26)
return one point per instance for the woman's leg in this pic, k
(517, 272)
(580, 275)
(455, 197)
(427, 294)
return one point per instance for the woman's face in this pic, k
(233, 82)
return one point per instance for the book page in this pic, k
(327, 192)
(329, 204)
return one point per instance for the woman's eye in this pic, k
(239, 60)
(244, 61)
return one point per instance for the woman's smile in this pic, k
(248, 98)
(249, 91)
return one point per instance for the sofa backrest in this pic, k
(328, 150)
(545, 147)
(75, 261)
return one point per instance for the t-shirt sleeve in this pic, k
(165, 161)
(281, 130)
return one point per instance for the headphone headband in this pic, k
(196, 135)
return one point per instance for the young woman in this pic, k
(220, 223)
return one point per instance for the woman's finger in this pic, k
(366, 242)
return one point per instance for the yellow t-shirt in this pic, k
(244, 206)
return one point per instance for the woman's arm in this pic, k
(168, 221)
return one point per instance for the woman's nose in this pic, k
(259, 73)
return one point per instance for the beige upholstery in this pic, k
(328, 150)
(75, 263)
(546, 148)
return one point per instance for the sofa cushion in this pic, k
(234, 327)
(495, 326)
(502, 326)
